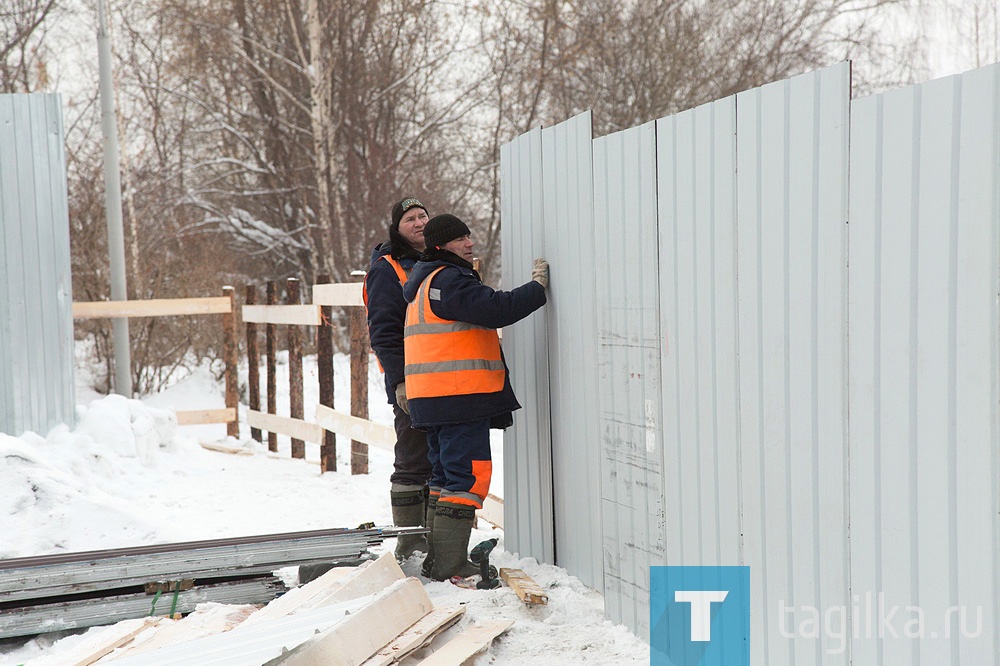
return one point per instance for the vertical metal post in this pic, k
(113, 207)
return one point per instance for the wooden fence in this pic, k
(224, 305)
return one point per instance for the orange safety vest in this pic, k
(445, 357)
(401, 273)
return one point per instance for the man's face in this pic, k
(460, 246)
(411, 227)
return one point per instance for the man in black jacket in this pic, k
(391, 263)
(457, 381)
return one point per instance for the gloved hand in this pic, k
(401, 397)
(540, 273)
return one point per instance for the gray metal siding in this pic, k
(36, 325)
(528, 512)
(628, 357)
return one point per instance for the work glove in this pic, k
(540, 273)
(401, 397)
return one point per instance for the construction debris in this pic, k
(524, 587)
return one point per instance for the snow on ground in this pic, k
(127, 475)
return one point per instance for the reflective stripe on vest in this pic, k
(445, 357)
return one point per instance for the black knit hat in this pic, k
(401, 207)
(443, 229)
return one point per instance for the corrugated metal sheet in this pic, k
(528, 512)
(924, 372)
(568, 207)
(628, 357)
(36, 324)
(792, 152)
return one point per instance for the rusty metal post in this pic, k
(359, 379)
(253, 362)
(230, 351)
(272, 369)
(295, 400)
(324, 353)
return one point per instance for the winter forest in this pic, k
(267, 139)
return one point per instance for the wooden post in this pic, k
(359, 379)
(272, 370)
(253, 362)
(232, 359)
(295, 401)
(324, 353)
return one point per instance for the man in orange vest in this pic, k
(457, 382)
(391, 262)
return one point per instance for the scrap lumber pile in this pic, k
(67, 591)
(371, 615)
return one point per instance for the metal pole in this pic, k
(113, 207)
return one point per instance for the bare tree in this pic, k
(23, 48)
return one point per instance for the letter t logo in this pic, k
(701, 610)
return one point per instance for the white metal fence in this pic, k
(36, 322)
(793, 306)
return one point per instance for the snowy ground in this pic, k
(127, 476)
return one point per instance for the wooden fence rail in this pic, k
(224, 305)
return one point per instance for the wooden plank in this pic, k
(290, 315)
(99, 642)
(524, 587)
(205, 621)
(417, 636)
(356, 428)
(492, 511)
(338, 294)
(335, 586)
(364, 632)
(156, 307)
(202, 416)
(471, 641)
(284, 425)
(222, 448)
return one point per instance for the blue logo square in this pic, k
(699, 616)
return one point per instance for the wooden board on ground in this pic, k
(471, 641)
(347, 294)
(367, 630)
(417, 636)
(205, 416)
(206, 620)
(100, 642)
(284, 425)
(524, 587)
(356, 428)
(222, 448)
(156, 307)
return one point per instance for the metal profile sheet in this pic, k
(792, 165)
(696, 169)
(628, 359)
(36, 324)
(568, 205)
(528, 510)
(925, 400)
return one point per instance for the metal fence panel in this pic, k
(924, 372)
(528, 512)
(628, 358)
(36, 324)
(569, 223)
(792, 147)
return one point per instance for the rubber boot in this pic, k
(452, 529)
(425, 568)
(408, 511)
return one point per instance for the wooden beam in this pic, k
(348, 294)
(100, 642)
(156, 307)
(364, 632)
(202, 416)
(417, 636)
(471, 641)
(289, 315)
(356, 428)
(204, 621)
(284, 425)
(524, 587)
(492, 511)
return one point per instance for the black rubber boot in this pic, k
(408, 504)
(452, 529)
(425, 568)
